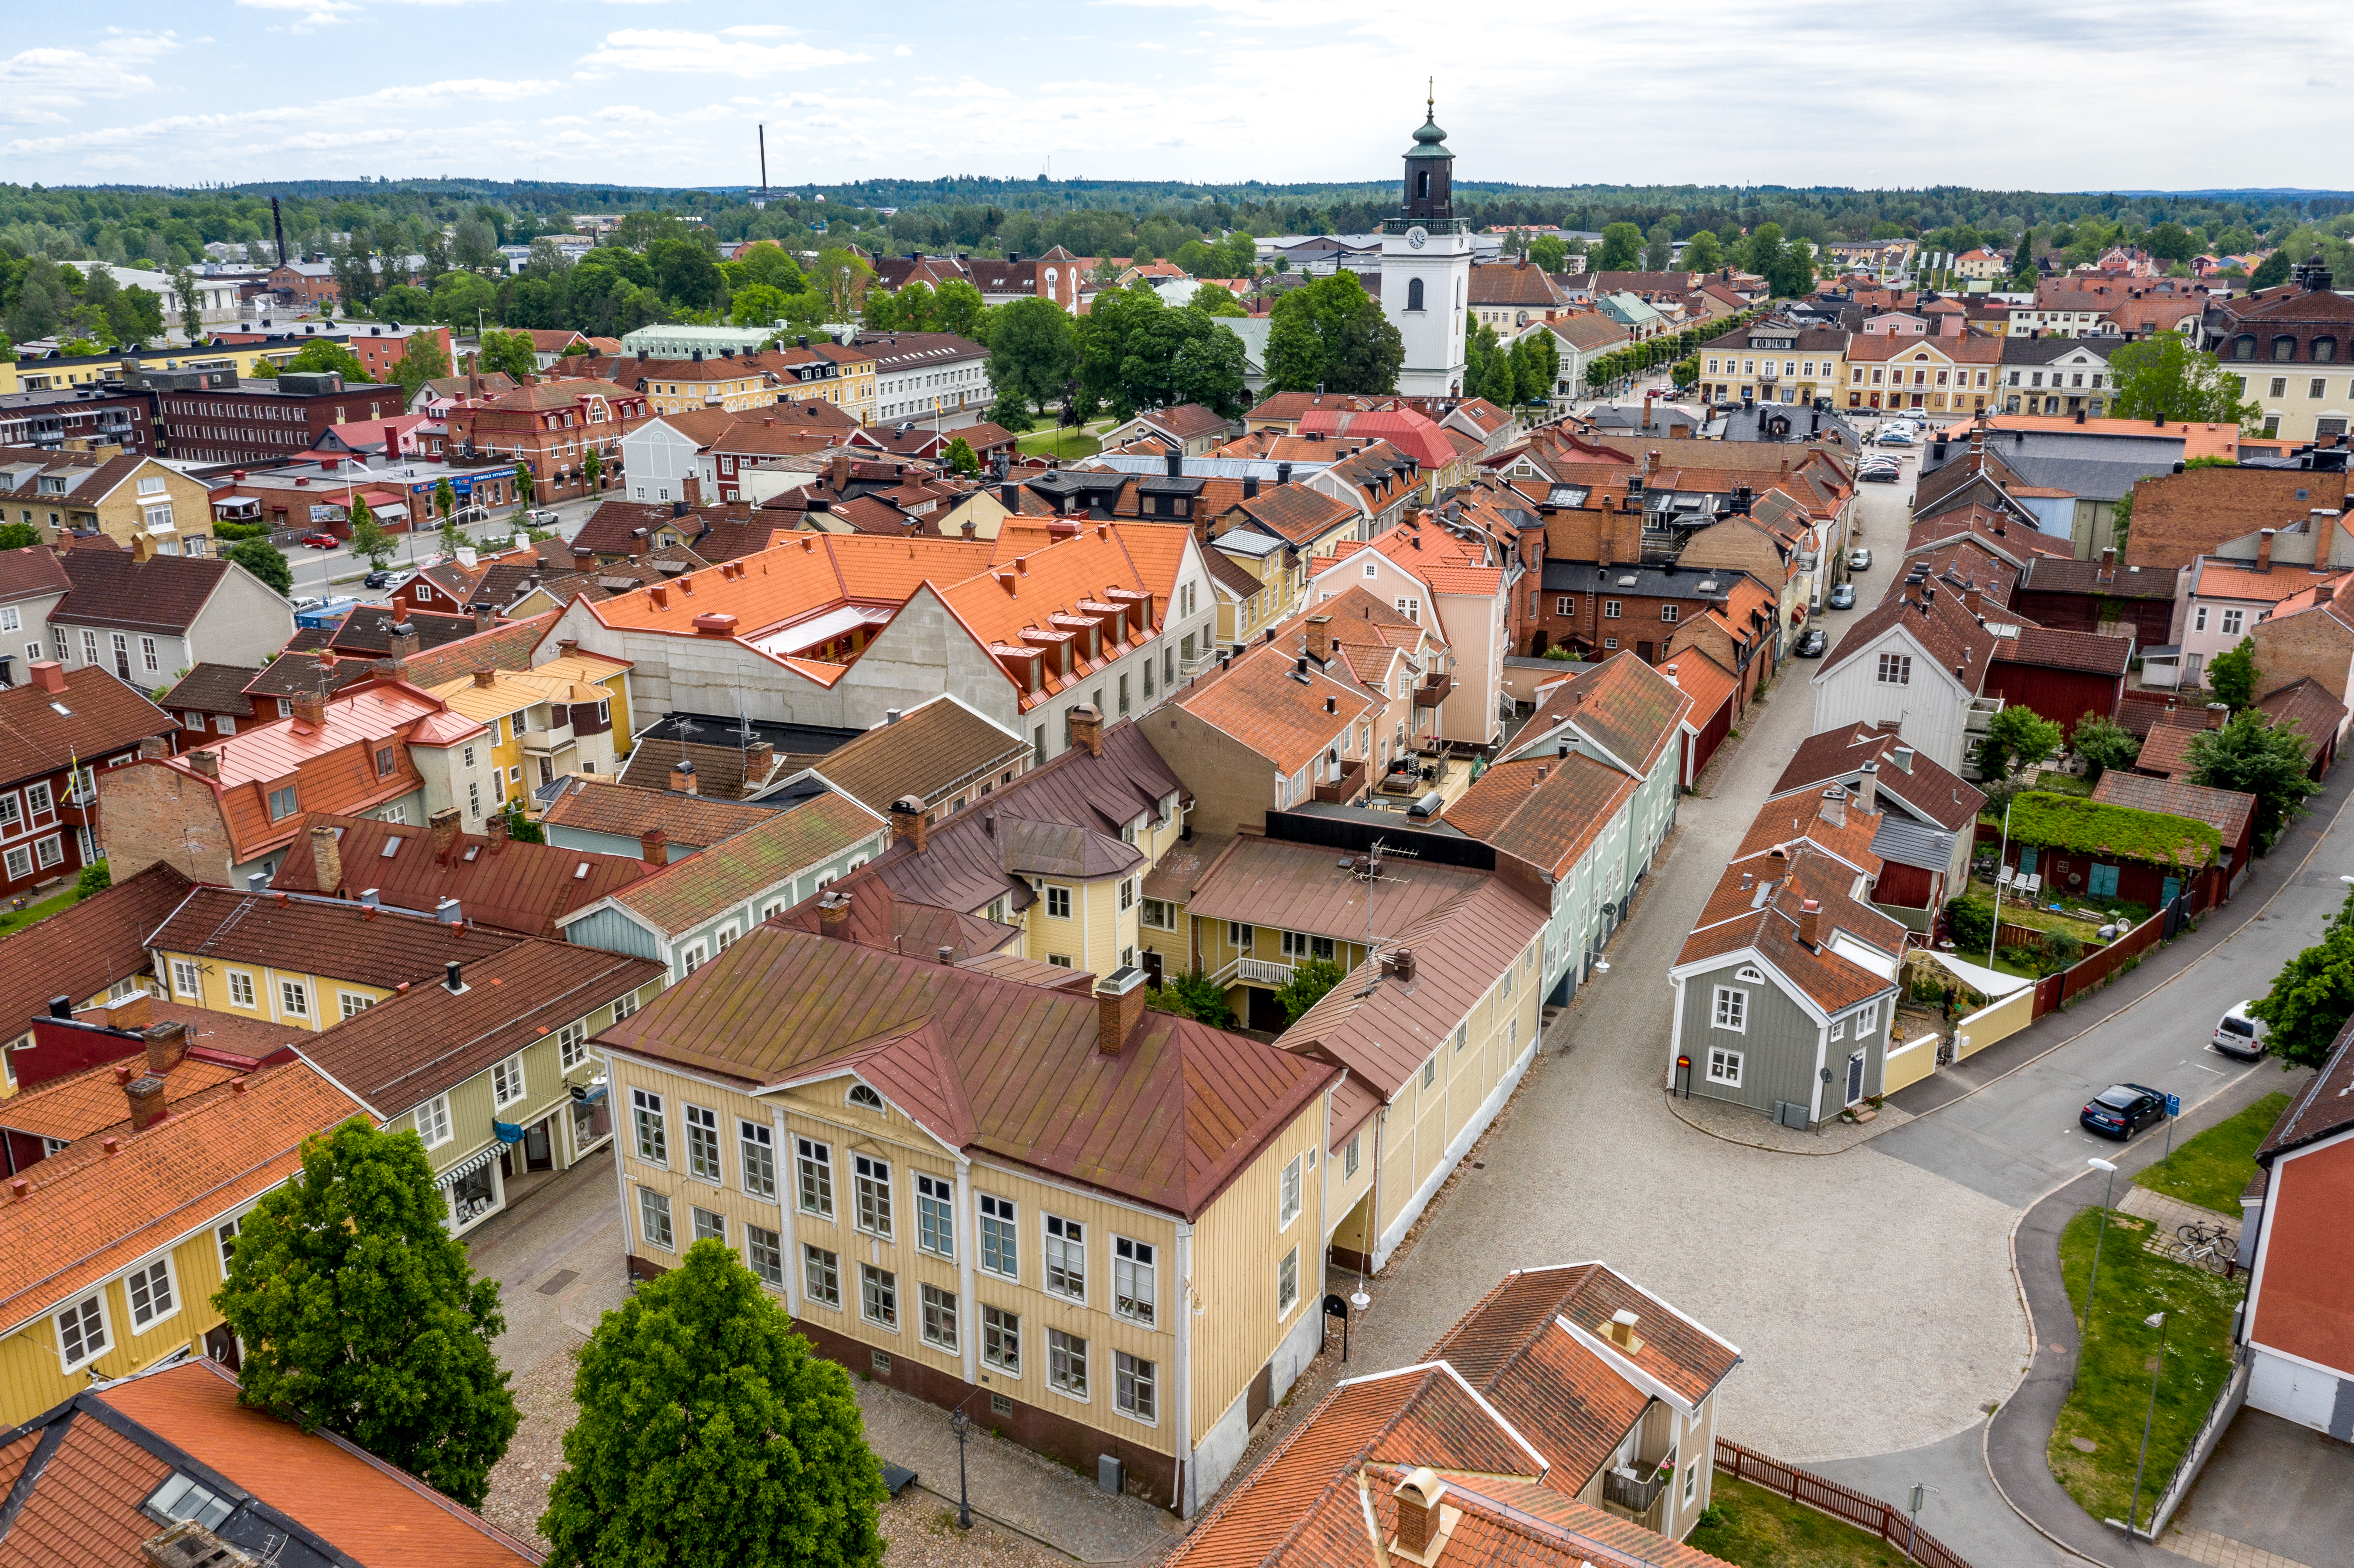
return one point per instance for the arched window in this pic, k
(2325, 350)
(2243, 347)
(1414, 294)
(2284, 347)
(1422, 184)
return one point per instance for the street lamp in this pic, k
(2084, 1329)
(2155, 1321)
(961, 1425)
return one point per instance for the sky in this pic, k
(2094, 94)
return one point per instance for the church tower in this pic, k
(1427, 268)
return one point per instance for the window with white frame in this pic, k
(878, 1296)
(506, 1081)
(432, 1120)
(1286, 1202)
(813, 1164)
(81, 1330)
(871, 1190)
(864, 1096)
(764, 1253)
(936, 1215)
(709, 1227)
(653, 1133)
(1000, 1339)
(653, 1219)
(1350, 1155)
(938, 1309)
(294, 999)
(149, 1290)
(1867, 1018)
(225, 1236)
(1732, 1009)
(185, 981)
(1133, 1280)
(1287, 1284)
(1133, 1387)
(1058, 901)
(1896, 669)
(702, 1142)
(1001, 1250)
(351, 1003)
(1067, 1363)
(1067, 1258)
(757, 1157)
(1725, 1066)
(1839, 1029)
(821, 1277)
(1430, 1071)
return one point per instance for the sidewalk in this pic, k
(2021, 1429)
(2269, 875)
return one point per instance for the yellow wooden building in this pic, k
(570, 715)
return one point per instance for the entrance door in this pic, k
(539, 1147)
(1152, 968)
(2171, 891)
(220, 1343)
(1855, 1077)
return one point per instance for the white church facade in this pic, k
(1427, 254)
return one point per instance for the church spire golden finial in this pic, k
(1430, 98)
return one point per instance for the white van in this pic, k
(2240, 1036)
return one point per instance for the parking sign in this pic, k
(2174, 1105)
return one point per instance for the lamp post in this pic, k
(2085, 1328)
(2155, 1321)
(961, 1425)
(2000, 854)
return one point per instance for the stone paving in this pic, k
(2222, 1551)
(1738, 1124)
(2167, 1215)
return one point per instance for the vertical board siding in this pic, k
(1235, 1250)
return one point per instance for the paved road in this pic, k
(318, 573)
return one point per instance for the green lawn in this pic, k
(17, 919)
(2213, 1169)
(1068, 445)
(1758, 1529)
(2113, 1382)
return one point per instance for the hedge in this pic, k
(2094, 827)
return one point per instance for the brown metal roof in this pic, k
(989, 1066)
(1300, 887)
(929, 752)
(1737, 916)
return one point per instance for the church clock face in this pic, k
(1417, 237)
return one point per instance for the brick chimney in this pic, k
(907, 822)
(2263, 549)
(759, 758)
(1086, 729)
(443, 832)
(495, 830)
(1419, 1516)
(133, 1011)
(682, 777)
(154, 745)
(167, 1046)
(654, 845)
(833, 914)
(49, 675)
(1119, 1003)
(1319, 638)
(310, 710)
(840, 475)
(327, 858)
(207, 763)
(484, 616)
(146, 1094)
(1811, 915)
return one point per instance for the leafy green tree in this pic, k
(1215, 300)
(2104, 744)
(2312, 997)
(1547, 253)
(1659, 247)
(460, 299)
(527, 484)
(1970, 921)
(404, 303)
(1309, 982)
(1332, 334)
(522, 829)
(1684, 372)
(766, 261)
(371, 541)
(510, 352)
(188, 299)
(842, 281)
(359, 1313)
(2018, 736)
(687, 273)
(2233, 674)
(19, 536)
(592, 474)
(1622, 248)
(263, 558)
(2163, 375)
(960, 457)
(318, 355)
(94, 878)
(1033, 354)
(762, 304)
(710, 1432)
(958, 307)
(1704, 252)
(1012, 411)
(2255, 757)
(2271, 272)
(422, 360)
(2169, 241)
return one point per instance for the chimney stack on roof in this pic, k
(908, 823)
(49, 675)
(654, 845)
(1119, 1003)
(1086, 729)
(833, 912)
(167, 1046)
(2263, 549)
(1319, 638)
(442, 831)
(1867, 787)
(147, 1097)
(310, 710)
(1834, 809)
(326, 858)
(682, 777)
(1419, 1519)
(1811, 915)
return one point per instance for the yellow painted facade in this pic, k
(294, 998)
(1100, 932)
(752, 389)
(514, 709)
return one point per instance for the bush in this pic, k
(2063, 948)
(1193, 996)
(1970, 922)
(93, 879)
(237, 533)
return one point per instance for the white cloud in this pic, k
(903, 51)
(35, 83)
(706, 54)
(308, 12)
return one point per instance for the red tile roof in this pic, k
(504, 882)
(2088, 652)
(85, 948)
(1546, 812)
(2227, 811)
(95, 717)
(322, 936)
(1736, 917)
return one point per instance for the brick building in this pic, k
(95, 415)
(213, 415)
(551, 427)
(379, 348)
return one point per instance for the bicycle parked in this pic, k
(2205, 1246)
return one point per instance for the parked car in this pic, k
(1859, 560)
(382, 578)
(304, 603)
(1811, 644)
(322, 541)
(1896, 436)
(1879, 474)
(1843, 597)
(2121, 1111)
(2238, 1035)
(541, 517)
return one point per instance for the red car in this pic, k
(322, 541)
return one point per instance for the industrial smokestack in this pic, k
(763, 162)
(278, 225)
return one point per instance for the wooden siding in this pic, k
(1778, 1048)
(1236, 1250)
(212, 975)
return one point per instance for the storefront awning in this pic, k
(467, 1167)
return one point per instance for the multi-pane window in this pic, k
(1724, 1068)
(821, 1277)
(1132, 1386)
(878, 1296)
(1000, 1339)
(1132, 1279)
(1896, 669)
(351, 1004)
(814, 1161)
(936, 1215)
(150, 1290)
(764, 1251)
(653, 1136)
(702, 1143)
(1867, 1018)
(653, 1218)
(1349, 1157)
(81, 1331)
(1058, 902)
(1287, 1284)
(757, 1151)
(1066, 1362)
(506, 1081)
(294, 999)
(1067, 1258)
(572, 1045)
(433, 1121)
(938, 1310)
(226, 1235)
(1286, 1206)
(709, 1227)
(1732, 1009)
(185, 980)
(1000, 1253)
(872, 1184)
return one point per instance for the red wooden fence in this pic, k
(1886, 1520)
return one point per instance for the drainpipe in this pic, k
(1181, 1483)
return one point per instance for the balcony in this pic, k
(1630, 1498)
(1346, 787)
(1433, 691)
(548, 739)
(1190, 668)
(1251, 971)
(1979, 714)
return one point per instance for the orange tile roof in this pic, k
(91, 1100)
(1261, 701)
(1736, 917)
(2220, 579)
(1708, 684)
(83, 1222)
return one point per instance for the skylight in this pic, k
(181, 1497)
